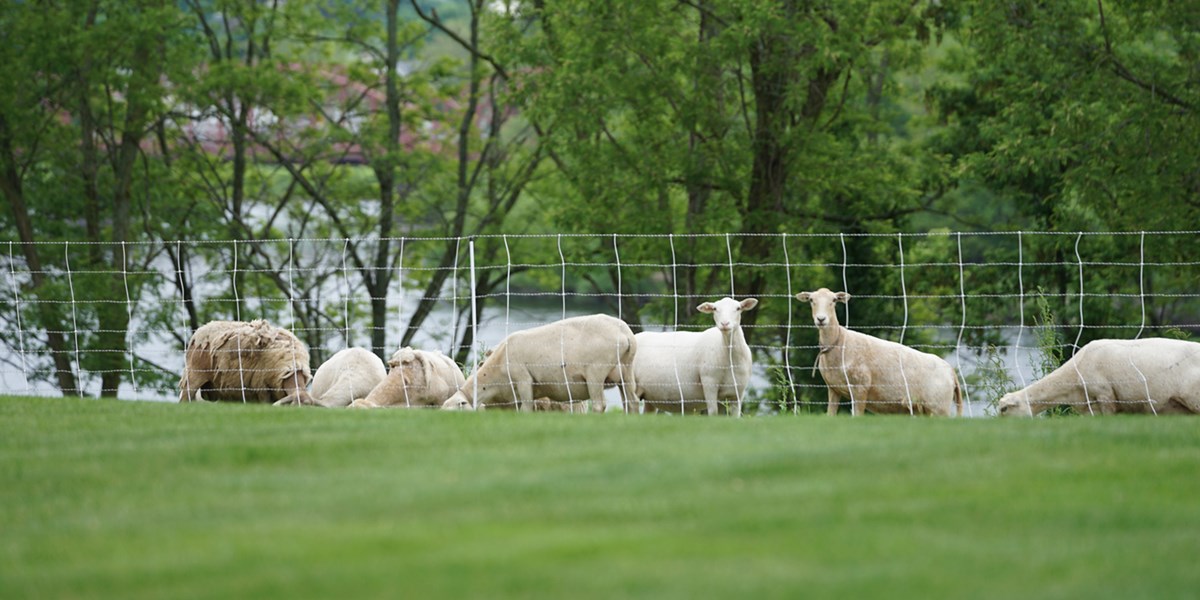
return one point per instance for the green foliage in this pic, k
(893, 122)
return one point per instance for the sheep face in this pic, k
(727, 312)
(1015, 404)
(823, 300)
(457, 402)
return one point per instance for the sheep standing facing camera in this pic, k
(875, 374)
(238, 361)
(690, 371)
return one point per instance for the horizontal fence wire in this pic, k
(1003, 308)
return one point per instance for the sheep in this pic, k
(875, 374)
(1150, 375)
(680, 371)
(246, 362)
(417, 378)
(566, 361)
(347, 376)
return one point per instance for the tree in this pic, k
(71, 145)
(1081, 116)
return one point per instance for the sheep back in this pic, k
(886, 375)
(348, 375)
(1148, 375)
(560, 361)
(672, 368)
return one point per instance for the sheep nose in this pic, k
(820, 319)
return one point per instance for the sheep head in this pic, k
(823, 301)
(1015, 404)
(727, 312)
(458, 402)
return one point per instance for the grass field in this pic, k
(149, 500)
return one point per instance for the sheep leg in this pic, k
(710, 396)
(596, 394)
(857, 405)
(524, 400)
(831, 407)
(296, 399)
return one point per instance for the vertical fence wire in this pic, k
(787, 339)
(474, 322)
(1020, 305)
(962, 329)
(17, 308)
(1142, 282)
(79, 383)
(1082, 295)
(132, 333)
(904, 325)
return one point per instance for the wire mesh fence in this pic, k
(1003, 309)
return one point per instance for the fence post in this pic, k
(474, 325)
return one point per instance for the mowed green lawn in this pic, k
(147, 500)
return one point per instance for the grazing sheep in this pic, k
(566, 361)
(238, 361)
(878, 375)
(418, 378)
(689, 371)
(1151, 375)
(347, 376)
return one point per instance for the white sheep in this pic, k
(1151, 375)
(245, 362)
(417, 378)
(689, 371)
(878, 375)
(347, 376)
(571, 360)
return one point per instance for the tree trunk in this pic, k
(10, 183)
(380, 279)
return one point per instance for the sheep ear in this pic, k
(749, 303)
(842, 297)
(707, 307)
(804, 296)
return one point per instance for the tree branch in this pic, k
(436, 22)
(1123, 72)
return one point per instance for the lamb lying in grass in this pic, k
(417, 379)
(878, 375)
(347, 376)
(1151, 375)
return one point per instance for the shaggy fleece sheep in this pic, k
(238, 361)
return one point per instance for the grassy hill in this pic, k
(147, 500)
